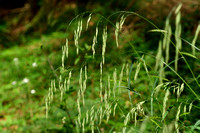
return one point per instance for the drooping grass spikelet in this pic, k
(114, 109)
(161, 71)
(122, 20)
(137, 71)
(100, 114)
(85, 80)
(109, 89)
(92, 117)
(101, 83)
(121, 77)
(127, 72)
(115, 82)
(77, 34)
(63, 56)
(195, 38)
(89, 18)
(66, 48)
(78, 102)
(190, 107)
(54, 85)
(118, 28)
(177, 118)
(165, 103)
(157, 89)
(87, 117)
(159, 55)
(65, 85)
(166, 39)
(61, 88)
(81, 80)
(83, 126)
(107, 111)
(180, 90)
(94, 41)
(68, 81)
(117, 33)
(104, 38)
(178, 35)
(127, 119)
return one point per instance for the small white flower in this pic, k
(33, 91)
(34, 64)
(15, 59)
(25, 80)
(14, 83)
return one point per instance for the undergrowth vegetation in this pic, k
(104, 70)
(111, 85)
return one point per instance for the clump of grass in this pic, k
(149, 109)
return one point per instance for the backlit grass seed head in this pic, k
(66, 48)
(159, 55)
(178, 8)
(68, 81)
(79, 119)
(195, 38)
(122, 20)
(178, 35)
(137, 71)
(190, 107)
(177, 118)
(165, 102)
(117, 33)
(94, 41)
(85, 80)
(100, 115)
(101, 82)
(126, 120)
(54, 85)
(157, 89)
(180, 90)
(108, 112)
(63, 55)
(114, 109)
(121, 77)
(83, 126)
(89, 18)
(104, 38)
(115, 82)
(161, 71)
(139, 107)
(109, 89)
(78, 102)
(184, 108)
(81, 80)
(127, 72)
(77, 34)
(65, 85)
(118, 28)
(166, 39)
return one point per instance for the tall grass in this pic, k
(126, 97)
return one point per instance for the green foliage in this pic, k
(107, 77)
